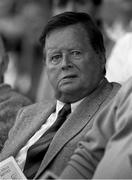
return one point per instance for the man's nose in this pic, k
(66, 62)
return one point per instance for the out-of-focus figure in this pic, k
(10, 100)
(87, 6)
(117, 18)
(119, 65)
(21, 26)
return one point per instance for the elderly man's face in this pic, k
(73, 67)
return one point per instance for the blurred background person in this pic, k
(20, 26)
(117, 20)
(119, 65)
(88, 6)
(10, 100)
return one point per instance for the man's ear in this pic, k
(5, 63)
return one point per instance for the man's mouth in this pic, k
(69, 77)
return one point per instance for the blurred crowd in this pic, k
(21, 23)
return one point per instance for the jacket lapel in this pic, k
(25, 130)
(75, 123)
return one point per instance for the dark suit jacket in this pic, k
(106, 152)
(64, 142)
(10, 103)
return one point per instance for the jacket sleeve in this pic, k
(117, 160)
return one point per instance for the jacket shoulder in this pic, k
(38, 107)
(35, 110)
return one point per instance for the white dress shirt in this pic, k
(22, 154)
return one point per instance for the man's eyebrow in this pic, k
(51, 51)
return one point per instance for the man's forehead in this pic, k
(77, 27)
(68, 33)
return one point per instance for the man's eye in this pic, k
(56, 59)
(76, 54)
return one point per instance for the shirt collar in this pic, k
(60, 105)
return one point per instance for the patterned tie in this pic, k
(38, 150)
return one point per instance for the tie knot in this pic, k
(62, 116)
(65, 110)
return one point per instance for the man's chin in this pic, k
(67, 89)
(65, 94)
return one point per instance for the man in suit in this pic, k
(10, 101)
(106, 152)
(75, 60)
